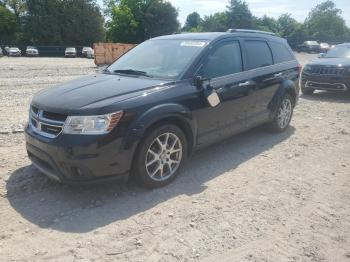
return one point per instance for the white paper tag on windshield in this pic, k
(193, 43)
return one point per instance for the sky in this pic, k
(298, 8)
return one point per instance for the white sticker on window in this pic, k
(193, 43)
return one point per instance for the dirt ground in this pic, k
(255, 197)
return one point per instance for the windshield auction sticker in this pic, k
(193, 43)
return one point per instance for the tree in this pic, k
(239, 15)
(193, 21)
(266, 23)
(160, 18)
(123, 27)
(324, 23)
(8, 25)
(215, 23)
(17, 6)
(63, 22)
(144, 18)
(291, 29)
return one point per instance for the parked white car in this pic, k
(70, 52)
(32, 51)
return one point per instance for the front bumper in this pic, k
(331, 83)
(14, 54)
(32, 54)
(76, 159)
(70, 55)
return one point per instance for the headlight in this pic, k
(92, 125)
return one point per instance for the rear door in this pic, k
(265, 79)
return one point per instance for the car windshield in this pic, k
(31, 47)
(158, 58)
(14, 49)
(339, 52)
(70, 49)
(311, 43)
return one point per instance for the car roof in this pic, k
(210, 36)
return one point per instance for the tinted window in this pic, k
(226, 59)
(258, 54)
(280, 53)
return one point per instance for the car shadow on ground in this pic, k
(328, 96)
(86, 208)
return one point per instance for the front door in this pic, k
(223, 66)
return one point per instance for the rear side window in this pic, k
(280, 53)
(258, 54)
(226, 59)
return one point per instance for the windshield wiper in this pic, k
(132, 72)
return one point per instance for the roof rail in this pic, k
(249, 31)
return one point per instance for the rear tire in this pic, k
(283, 115)
(160, 156)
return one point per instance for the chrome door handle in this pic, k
(247, 83)
(278, 75)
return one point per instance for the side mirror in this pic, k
(199, 81)
(321, 55)
(209, 93)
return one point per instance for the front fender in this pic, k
(141, 124)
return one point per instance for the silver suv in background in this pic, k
(14, 51)
(32, 51)
(70, 52)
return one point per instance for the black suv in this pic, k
(309, 47)
(160, 102)
(330, 72)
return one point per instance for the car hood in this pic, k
(95, 92)
(341, 62)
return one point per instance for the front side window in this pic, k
(280, 53)
(159, 58)
(226, 59)
(258, 54)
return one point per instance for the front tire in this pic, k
(160, 156)
(283, 115)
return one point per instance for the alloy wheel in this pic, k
(164, 156)
(284, 113)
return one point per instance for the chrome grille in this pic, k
(335, 71)
(46, 123)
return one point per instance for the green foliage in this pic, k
(266, 23)
(143, 19)
(193, 22)
(123, 25)
(325, 23)
(8, 25)
(239, 15)
(215, 23)
(160, 18)
(63, 22)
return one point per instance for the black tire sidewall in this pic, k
(274, 124)
(139, 169)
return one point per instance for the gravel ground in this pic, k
(255, 197)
